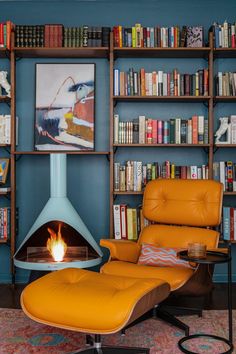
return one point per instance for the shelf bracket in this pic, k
(8, 54)
(206, 149)
(108, 157)
(205, 104)
(7, 149)
(215, 148)
(114, 197)
(18, 157)
(115, 149)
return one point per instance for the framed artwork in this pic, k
(64, 114)
(4, 165)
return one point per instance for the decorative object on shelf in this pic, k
(64, 118)
(197, 250)
(4, 83)
(223, 129)
(4, 164)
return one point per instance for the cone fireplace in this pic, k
(58, 217)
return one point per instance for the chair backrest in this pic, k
(192, 203)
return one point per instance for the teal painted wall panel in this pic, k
(88, 176)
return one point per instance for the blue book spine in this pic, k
(226, 223)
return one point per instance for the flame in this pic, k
(56, 245)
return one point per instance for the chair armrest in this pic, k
(122, 250)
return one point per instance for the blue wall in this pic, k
(88, 176)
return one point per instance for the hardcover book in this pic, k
(194, 36)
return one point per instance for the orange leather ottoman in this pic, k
(86, 301)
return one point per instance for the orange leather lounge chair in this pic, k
(183, 212)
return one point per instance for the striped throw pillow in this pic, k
(161, 257)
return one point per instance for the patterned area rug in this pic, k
(20, 335)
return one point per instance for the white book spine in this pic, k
(117, 221)
(142, 129)
(193, 172)
(222, 173)
(116, 128)
(139, 176)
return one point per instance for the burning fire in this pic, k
(56, 245)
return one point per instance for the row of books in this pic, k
(160, 83)
(128, 222)
(224, 35)
(134, 175)
(226, 84)
(225, 172)
(138, 36)
(229, 137)
(144, 130)
(5, 217)
(56, 35)
(5, 34)
(229, 223)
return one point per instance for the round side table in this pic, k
(213, 257)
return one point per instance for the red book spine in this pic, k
(159, 132)
(154, 131)
(1, 35)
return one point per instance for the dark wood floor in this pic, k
(10, 297)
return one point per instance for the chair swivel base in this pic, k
(97, 348)
(211, 336)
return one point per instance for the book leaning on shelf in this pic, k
(160, 83)
(144, 130)
(134, 175)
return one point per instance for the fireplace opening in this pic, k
(77, 248)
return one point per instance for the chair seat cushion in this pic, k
(176, 277)
(90, 302)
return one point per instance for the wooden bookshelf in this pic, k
(137, 53)
(161, 52)
(5, 99)
(163, 145)
(62, 52)
(191, 99)
(224, 53)
(225, 98)
(60, 152)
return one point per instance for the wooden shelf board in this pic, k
(127, 193)
(225, 145)
(4, 193)
(162, 145)
(224, 53)
(3, 241)
(225, 98)
(4, 145)
(79, 52)
(5, 99)
(61, 152)
(161, 98)
(161, 52)
(3, 53)
(229, 193)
